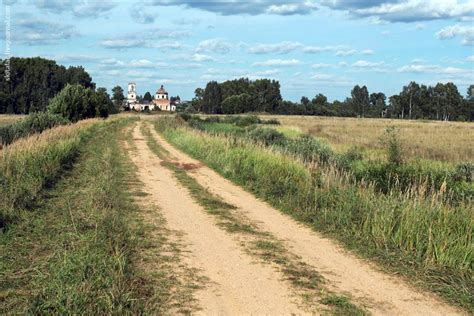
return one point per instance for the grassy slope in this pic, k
(71, 251)
(431, 245)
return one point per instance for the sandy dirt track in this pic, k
(238, 285)
(382, 294)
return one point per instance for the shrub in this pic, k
(190, 109)
(271, 122)
(347, 159)
(75, 103)
(393, 146)
(463, 172)
(266, 136)
(32, 124)
(309, 149)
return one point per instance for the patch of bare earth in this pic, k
(380, 293)
(236, 284)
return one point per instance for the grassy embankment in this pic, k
(71, 235)
(422, 237)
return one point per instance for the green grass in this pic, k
(429, 176)
(424, 239)
(75, 249)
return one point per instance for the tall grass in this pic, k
(395, 174)
(75, 250)
(33, 123)
(421, 236)
(28, 164)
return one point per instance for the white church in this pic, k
(161, 100)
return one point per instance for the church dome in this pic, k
(161, 90)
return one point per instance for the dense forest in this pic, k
(33, 81)
(415, 101)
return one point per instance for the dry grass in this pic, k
(6, 119)
(442, 141)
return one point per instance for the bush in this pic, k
(266, 136)
(309, 149)
(32, 124)
(190, 109)
(463, 172)
(271, 122)
(76, 103)
(393, 146)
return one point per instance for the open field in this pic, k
(434, 140)
(152, 214)
(6, 119)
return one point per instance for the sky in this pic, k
(310, 47)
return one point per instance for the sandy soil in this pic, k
(238, 285)
(381, 293)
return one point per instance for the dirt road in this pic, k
(238, 284)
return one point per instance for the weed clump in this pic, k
(393, 145)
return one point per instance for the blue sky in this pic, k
(311, 47)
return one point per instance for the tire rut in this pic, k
(237, 284)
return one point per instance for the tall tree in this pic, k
(360, 99)
(212, 98)
(305, 100)
(117, 96)
(267, 95)
(377, 104)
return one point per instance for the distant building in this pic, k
(162, 100)
(132, 97)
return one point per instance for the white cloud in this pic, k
(142, 63)
(321, 49)
(215, 45)
(417, 10)
(278, 62)
(346, 52)
(367, 64)
(291, 8)
(81, 8)
(283, 47)
(321, 65)
(464, 31)
(201, 58)
(367, 52)
(434, 69)
(420, 26)
(470, 58)
(279, 7)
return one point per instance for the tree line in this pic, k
(415, 101)
(34, 81)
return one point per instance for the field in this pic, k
(434, 140)
(8, 119)
(179, 214)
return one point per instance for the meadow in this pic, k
(6, 119)
(450, 142)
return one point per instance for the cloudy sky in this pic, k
(320, 46)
